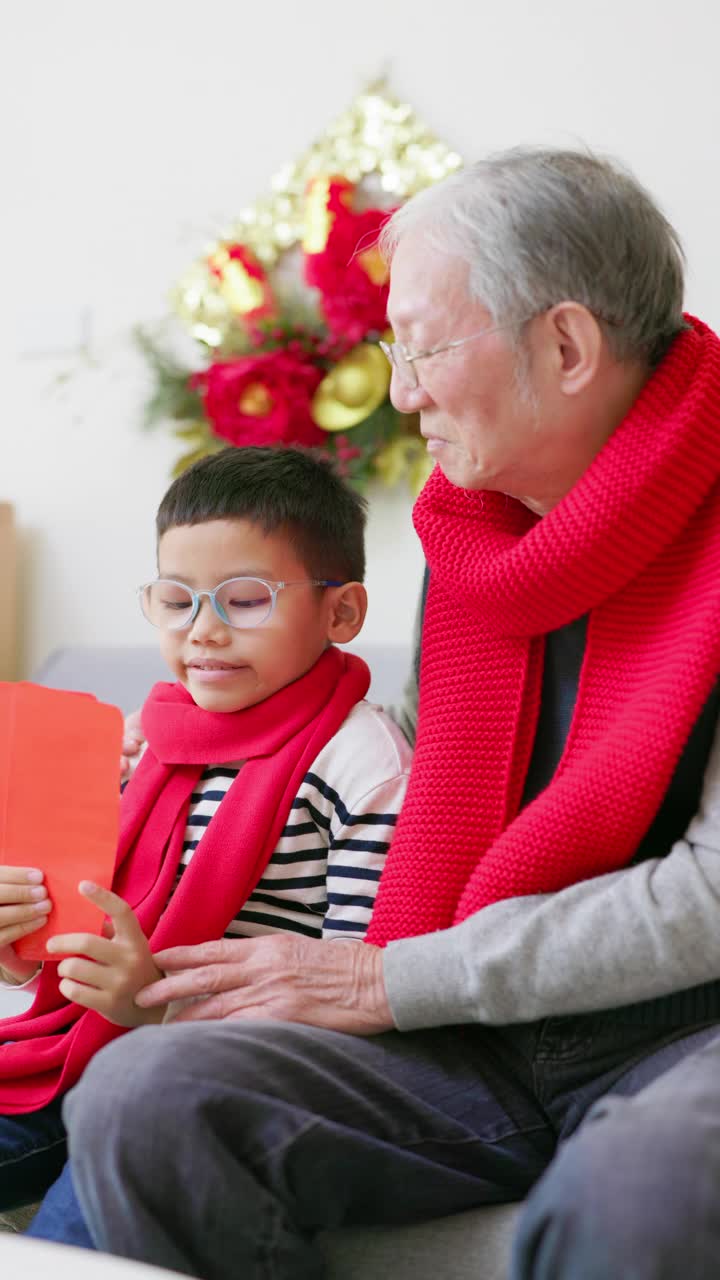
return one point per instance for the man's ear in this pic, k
(578, 343)
(348, 606)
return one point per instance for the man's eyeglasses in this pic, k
(404, 362)
(238, 602)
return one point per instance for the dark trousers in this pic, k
(33, 1164)
(220, 1149)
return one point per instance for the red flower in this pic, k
(262, 399)
(347, 270)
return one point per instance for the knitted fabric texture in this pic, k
(636, 545)
(46, 1049)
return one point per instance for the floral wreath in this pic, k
(286, 309)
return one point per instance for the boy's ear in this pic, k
(348, 606)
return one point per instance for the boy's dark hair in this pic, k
(278, 489)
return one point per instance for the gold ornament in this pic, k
(318, 218)
(353, 389)
(406, 458)
(242, 292)
(198, 441)
(374, 265)
(376, 135)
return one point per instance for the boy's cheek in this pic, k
(172, 653)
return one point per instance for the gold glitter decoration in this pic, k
(317, 218)
(354, 387)
(377, 135)
(242, 292)
(406, 458)
(374, 265)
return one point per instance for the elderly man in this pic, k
(546, 950)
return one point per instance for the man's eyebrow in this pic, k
(406, 321)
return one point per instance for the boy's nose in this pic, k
(208, 625)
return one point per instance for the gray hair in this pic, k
(540, 226)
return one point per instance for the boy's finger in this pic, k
(80, 969)
(122, 916)
(10, 916)
(21, 884)
(133, 725)
(14, 894)
(79, 993)
(11, 933)
(81, 944)
(21, 875)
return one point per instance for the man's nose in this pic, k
(407, 399)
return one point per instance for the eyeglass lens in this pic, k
(405, 370)
(240, 602)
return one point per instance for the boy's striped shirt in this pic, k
(323, 876)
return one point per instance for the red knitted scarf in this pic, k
(46, 1049)
(636, 544)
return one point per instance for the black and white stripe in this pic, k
(322, 878)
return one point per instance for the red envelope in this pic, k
(59, 799)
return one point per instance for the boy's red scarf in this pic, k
(278, 739)
(636, 544)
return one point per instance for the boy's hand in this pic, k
(133, 739)
(106, 973)
(24, 908)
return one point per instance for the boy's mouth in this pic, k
(212, 664)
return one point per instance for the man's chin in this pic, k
(453, 469)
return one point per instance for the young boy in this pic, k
(267, 794)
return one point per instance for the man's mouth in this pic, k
(434, 443)
(428, 434)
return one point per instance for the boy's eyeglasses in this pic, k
(238, 602)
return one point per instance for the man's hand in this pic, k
(106, 973)
(338, 985)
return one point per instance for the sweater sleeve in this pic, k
(9, 983)
(631, 935)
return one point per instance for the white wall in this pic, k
(139, 128)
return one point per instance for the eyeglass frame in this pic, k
(389, 348)
(274, 587)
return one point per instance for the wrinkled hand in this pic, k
(133, 739)
(24, 908)
(105, 973)
(338, 985)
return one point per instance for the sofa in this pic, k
(473, 1245)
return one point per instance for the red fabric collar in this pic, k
(636, 543)
(179, 732)
(278, 739)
